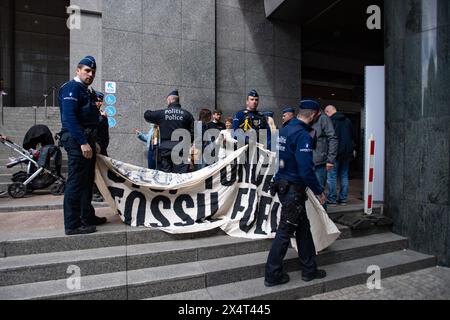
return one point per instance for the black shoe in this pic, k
(97, 221)
(319, 274)
(81, 230)
(342, 203)
(284, 279)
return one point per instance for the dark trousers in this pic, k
(78, 209)
(150, 158)
(292, 201)
(165, 163)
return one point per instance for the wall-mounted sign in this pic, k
(110, 87)
(110, 111)
(110, 99)
(112, 122)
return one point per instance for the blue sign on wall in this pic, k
(112, 122)
(110, 111)
(110, 99)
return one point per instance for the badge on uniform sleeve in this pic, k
(306, 149)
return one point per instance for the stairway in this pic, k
(16, 124)
(120, 262)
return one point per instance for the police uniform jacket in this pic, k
(247, 120)
(169, 120)
(296, 156)
(78, 110)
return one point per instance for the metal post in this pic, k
(2, 93)
(1, 106)
(35, 114)
(45, 105)
(54, 96)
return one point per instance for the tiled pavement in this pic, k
(427, 284)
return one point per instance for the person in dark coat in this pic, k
(344, 132)
(103, 127)
(172, 118)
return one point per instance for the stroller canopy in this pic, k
(39, 134)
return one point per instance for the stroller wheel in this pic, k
(58, 188)
(17, 190)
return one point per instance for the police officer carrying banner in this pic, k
(296, 173)
(169, 120)
(80, 118)
(251, 119)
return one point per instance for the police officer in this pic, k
(80, 118)
(169, 120)
(288, 115)
(251, 119)
(296, 173)
(103, 126)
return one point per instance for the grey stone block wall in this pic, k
(255, 53)
(88, 40)
(213, 51)
(417, 132)
(151, 47)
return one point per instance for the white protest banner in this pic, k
(235, 197)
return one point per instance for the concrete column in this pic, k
(256, 53)
(417, 53)
(89, 39)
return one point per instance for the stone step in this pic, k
(110, 235)
(56, 204)
(206, 263)
(53, 266)
(339, 276)
(158, 282)
(6, 178)
(9, 172)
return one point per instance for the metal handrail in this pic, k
(44, 100)
(2, 93)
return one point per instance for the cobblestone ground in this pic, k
(427, 284)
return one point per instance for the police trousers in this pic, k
(292, 201)
(165, 163)
(78, 209)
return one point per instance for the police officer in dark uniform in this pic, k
(102, 139)
(251, 119)
(169, 120)
(296, 173)
(103, 126)
(80, 118)
(288, 115)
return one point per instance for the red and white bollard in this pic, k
(368, 207)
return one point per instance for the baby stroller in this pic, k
(43, 164)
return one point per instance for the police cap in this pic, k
(288, 109)
(100, 96)
(88, 62)
(253, 93)
(174, 93)
(310, 104)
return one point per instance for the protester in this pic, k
(344, 133)
(226, 141)
(325, 151)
